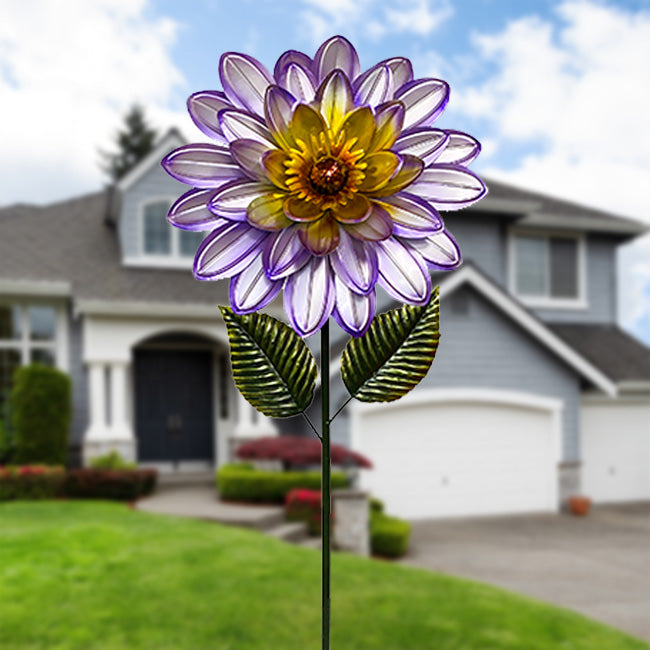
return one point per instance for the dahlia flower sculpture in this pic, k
(324, 182)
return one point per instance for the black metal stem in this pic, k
(326, 482)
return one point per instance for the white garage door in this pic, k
(616, 451)
(438, 456)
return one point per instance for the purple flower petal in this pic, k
(374, 86)
(355, 262)
(248, 155)
(353, 312)
(287, 58)
(448, 187)
(460, 149)
(401, 69)
(402, 272)
(412, 216)
(227, 251)
(231, 201)
(440, 251)
(335, 99)
(251, 289)
(244, 80)
(239, 125)
(190, 212)
(278, 109)
(284, 254)
(309, 296)
(426, 144)
(201, 165)
(299, 82)
(424, 100)
(336, 53)
(204, 108)
(376, 227)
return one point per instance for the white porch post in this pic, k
(120, 428)
(97, 389)
(247, 426)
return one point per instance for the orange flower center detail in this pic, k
(328, 176)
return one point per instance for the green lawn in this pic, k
(88, 575)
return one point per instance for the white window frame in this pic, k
(24, 345)
(547, 301)
(174, 260)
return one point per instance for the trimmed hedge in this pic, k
(120, 485)
(30, 482)
(389, 536)
(40, 415)
(111, 460)
(241, 482)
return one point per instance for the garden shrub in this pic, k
(112, 460)
(30, 482)
(243, 483)
(117, 484)
(389, 536)
(305, 505)
(40, 415)
(376, 505)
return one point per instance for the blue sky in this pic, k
(557, 91)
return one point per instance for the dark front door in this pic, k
(173, 405)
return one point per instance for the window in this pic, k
(28, 334)
(160, 240)
(547, 268)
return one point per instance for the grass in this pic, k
(82, 575)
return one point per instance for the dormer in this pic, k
(141, 202)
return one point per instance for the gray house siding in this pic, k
(482, 348)
(155, 184)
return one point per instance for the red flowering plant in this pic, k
(305, 505)
(30, 482)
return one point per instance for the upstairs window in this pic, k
(160, 240)
(547, 269)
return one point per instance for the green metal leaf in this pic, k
(394, 354)
(272, 366)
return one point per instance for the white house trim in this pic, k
(185, 311)
(172, 140)
(35, 288)
(507, 206)
(594, 223)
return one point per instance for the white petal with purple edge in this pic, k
(278, 109)
(424, 100)
(201, 165)
(355, 263)
(284, 253)
(412, 216)
(299, 83)
(337, 52)
(448, 187)
(403, 272)
(288, 57)
(251, 289)
(238, 125)
(248, 155)
(354, 313)
(374, 86)
(190, 212)
(227, 251)
(401, 69)
(244, 80)
(460, 149)
(231, 201)
(309, 296)
(439, 251)
(427, 144)
(204, 108)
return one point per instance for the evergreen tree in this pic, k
(134, 142)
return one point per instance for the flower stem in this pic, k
(326, 482)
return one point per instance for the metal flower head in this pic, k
(324, 182)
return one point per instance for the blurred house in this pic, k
(535, 394)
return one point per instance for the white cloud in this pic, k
(374, 18)
(578, 91)
(66, 75)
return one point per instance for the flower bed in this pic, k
(118, 484)
(305, 505)
(30, 482)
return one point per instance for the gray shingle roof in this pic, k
(71, 241)
(617, 354)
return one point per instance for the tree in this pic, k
(134, 142)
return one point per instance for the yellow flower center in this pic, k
(328, 176)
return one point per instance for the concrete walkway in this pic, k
(598, 565)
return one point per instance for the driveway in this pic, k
(597, 565)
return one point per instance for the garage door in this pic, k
(442, 455)
(616, 451)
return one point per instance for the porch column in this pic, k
(251, 424)
(120, 428)
(97, 429)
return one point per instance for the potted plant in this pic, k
(579, 505)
